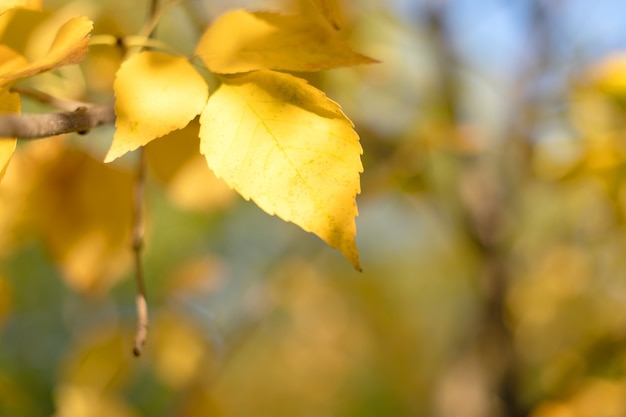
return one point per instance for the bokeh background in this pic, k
(491, 230)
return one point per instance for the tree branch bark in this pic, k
(35, 126)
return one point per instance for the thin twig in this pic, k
(137, 244)
(138, 225)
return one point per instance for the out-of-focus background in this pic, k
(492, 233)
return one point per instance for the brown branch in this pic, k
(35, 126)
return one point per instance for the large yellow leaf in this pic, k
(9, 103)
(19, 4)
(155, 94)
(69, 47)
(241, 41)
(282, 143)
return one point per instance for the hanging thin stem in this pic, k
(139, 204)
(137, 245)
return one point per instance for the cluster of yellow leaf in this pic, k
(69, 47)
(269, 135)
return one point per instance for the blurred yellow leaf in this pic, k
(10, 63)
(600, 124)
(199, 402)
(594, 398)
(600, 397)
(74, 401)
(80, 208)
(70, 44)
(610, 75)
(191, 185)
(179, 351)
(6, 300)
(330, 10)
(14, 189)
(166, 156)
(553, 409)
(100, 360)
(9, 103)
(197, 275)
(241, 41)
(155, 94)
(69, 47)
(196, 187)
(312, 336)
(19, 4)
(282, 143)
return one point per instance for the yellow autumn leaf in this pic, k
(69, 47)
(273, 41)
(9, 103)
(155, 94)
(6, 5)
(282, 143)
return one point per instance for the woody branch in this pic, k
(34, 126)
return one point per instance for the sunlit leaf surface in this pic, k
(273, 41)
(155, 94)
(282, 143)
